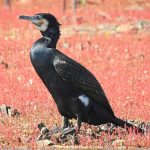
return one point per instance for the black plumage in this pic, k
(75, 90)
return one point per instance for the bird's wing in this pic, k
(80, 78)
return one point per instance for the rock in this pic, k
(54, 135)
(25, 139)
(55, 139)
(107, 28)
(44, 132)
(65, 45)
(118, 143)
(7, 110)
(141, 24)
(4, 109)
(68, 130)
(14, 112)
(44, 143)
(107, 127)
(43, 128)
(62, 134)
(124, 27)
(104, 15)
(134, 7)
(41, 125)
(89, 131)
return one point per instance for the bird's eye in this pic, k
(38, 17)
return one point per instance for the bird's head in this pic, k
(45, 22)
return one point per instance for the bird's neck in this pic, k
(51, 35)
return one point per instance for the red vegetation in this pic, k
(120, 61)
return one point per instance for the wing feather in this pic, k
(80, 78)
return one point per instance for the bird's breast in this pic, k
(40, 56)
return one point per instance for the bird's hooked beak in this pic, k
(27, 17)
(34, 19)
(38, 21)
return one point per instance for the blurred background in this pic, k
(109, 37)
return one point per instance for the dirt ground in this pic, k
(110, 38)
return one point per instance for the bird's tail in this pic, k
(122, 123)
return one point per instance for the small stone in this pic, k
(89, 131)
(104, 15)
(134, 7)
(67, 131)
(55, 139)
(44, 130)
(41, 125)
(118, 143)
(7, 110)
(44, 143)
(128, 97)
(19, 78)
(30, 82)
(25, 139)
(124, 27)
(14, 112)
(143, 93)
(66, 45)
(104, 127)
(96, 46)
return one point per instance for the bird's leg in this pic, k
(65, 122)
(79, 121)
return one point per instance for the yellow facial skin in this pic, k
(42, 24)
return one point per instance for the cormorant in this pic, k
(75, 90)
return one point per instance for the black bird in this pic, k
(75, 90)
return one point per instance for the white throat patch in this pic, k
(84, 99)
(43, 25)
